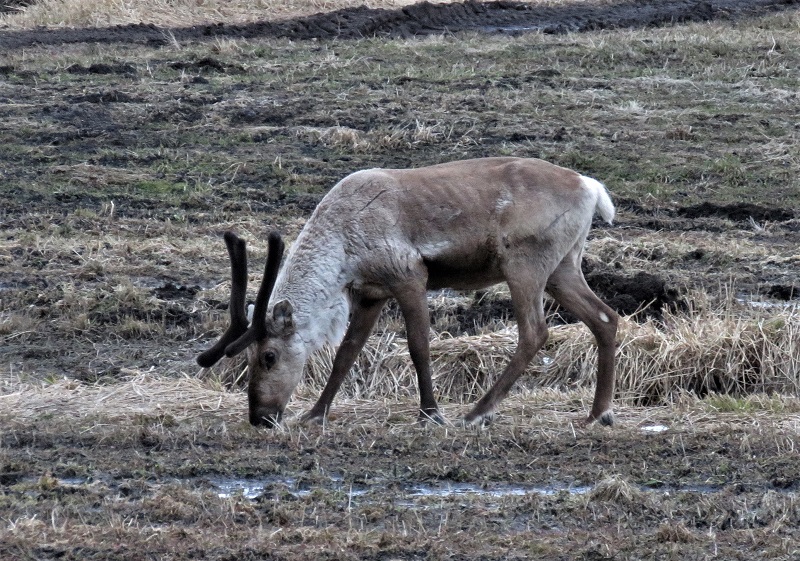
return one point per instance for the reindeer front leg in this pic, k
(364, 315)
(526, 286)
(413, 302)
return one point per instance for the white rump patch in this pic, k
(603, 206)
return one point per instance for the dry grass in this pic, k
(98, 13)
(714, 351)
(732, 350)
(616, 489)
(138, 394)
(159, 399)
(352, 140)
(147, 396)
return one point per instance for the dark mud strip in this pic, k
(422, 19)
(7, 6)
(737, 212)
(708, 216)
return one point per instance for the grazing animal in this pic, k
(397, 233)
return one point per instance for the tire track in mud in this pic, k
(421, 19)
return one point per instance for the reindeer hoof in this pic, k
(478, 421)
(432, 417)
(606, 419)
(312, 418)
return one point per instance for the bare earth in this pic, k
(126, 152)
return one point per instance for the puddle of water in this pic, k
(511, 29)
(412, 493)
(763, 305)
(232, 487)
(253, 488)
(73, 481)
(498, 491)
(655, 428)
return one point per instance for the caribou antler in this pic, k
(238, 336)
(258, 328)
(238, 326)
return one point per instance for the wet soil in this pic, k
(121, 166)
(683, 486)
(423, 19)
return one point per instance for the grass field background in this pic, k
(122, 162)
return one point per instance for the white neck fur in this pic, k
(314, 279)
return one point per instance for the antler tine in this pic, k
(258, 327)
(238, 256)
(268, 280)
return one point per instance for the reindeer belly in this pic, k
(466, 270)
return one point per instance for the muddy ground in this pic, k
(534, 486)
(126, 152)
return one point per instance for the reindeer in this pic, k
(397, 233)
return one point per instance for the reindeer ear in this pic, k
(282, 317)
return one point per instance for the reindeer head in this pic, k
(276, 355)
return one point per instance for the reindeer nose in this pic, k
(265, 416)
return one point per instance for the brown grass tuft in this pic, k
(729, 351)
(617, 490)
(675, 532)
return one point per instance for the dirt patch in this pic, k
(100, 68)
(373, 486)
(122, 167)
(738, 212)
(783, 291)
(422, 19)
(640, 295)
(171, 291)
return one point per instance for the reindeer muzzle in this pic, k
(265, 416)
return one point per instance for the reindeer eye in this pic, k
(270, 358)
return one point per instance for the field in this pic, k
(127, 149)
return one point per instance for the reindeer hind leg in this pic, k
(568, 286)
(526, 295)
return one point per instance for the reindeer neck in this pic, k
(314, 279)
